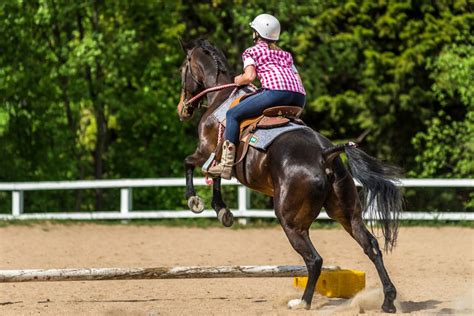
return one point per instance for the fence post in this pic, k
(17, 203)
(244, 203)
(125, 201)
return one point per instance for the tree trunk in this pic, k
(94, 85)
(64, 84)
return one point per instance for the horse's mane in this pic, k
(214, 52)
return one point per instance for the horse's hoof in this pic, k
(196, 204)
(298, 304)
(225, 217)
(389, 308)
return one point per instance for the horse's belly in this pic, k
(255, 173)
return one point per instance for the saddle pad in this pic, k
(262, 138)
(220, 112)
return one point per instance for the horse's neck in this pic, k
(215, 99)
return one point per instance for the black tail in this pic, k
(382, 198)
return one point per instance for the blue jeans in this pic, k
(254, 106)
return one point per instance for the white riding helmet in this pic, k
(267, 26)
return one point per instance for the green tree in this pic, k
(88, 89)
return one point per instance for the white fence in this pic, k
(126, 211)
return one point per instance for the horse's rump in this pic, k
(301, 146)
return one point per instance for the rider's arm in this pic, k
(247, 77)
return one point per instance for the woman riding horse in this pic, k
(281, 85)
(301, 170)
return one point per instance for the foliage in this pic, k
(447, 145)
(89, 88)
(453, 84)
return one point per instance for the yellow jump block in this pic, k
(336, 282)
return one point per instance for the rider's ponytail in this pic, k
(273, 46)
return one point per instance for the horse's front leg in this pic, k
(195, 203)
(224, 215)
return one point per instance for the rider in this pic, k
(281, 85)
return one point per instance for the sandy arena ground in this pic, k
(431, 267)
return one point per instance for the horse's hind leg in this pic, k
(296, 211)
(300, 241)
(343, 205)
(372, 250)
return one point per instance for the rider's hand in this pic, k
(238, 80)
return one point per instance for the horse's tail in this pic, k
(382, 198)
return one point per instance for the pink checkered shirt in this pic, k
(274, 68)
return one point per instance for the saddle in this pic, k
(272, 117)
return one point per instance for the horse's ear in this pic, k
(185, 45)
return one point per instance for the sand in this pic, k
(432, 269)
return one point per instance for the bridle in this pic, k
(187, 104)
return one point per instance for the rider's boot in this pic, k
(224, 168)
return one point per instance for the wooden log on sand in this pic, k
(95, 274)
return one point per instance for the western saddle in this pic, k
(272, 117)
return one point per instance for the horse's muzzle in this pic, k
(182, 109)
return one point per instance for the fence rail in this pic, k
(126, 199)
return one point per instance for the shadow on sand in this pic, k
(370, 300)
(411, 306)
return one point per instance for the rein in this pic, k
(204, 92)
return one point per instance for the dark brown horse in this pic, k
(301, 170)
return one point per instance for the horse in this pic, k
(301, 171)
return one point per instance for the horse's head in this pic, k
(191, 83)
(200, 70)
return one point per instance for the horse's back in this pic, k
(290, 156)
(302, 147)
